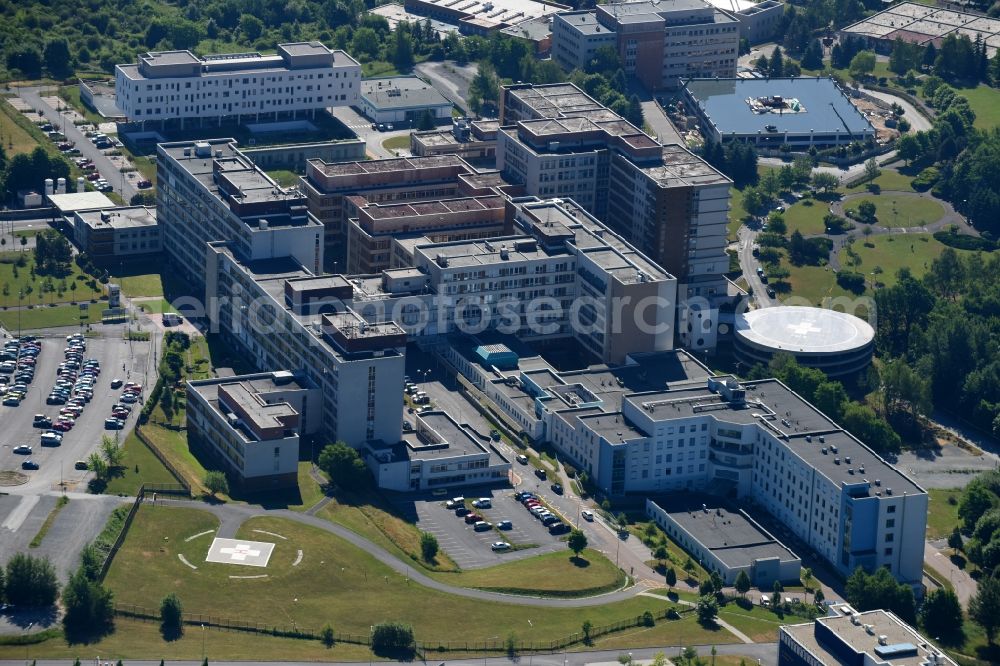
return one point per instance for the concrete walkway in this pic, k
(938, 559)
(722, 623)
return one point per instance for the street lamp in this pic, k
(20, 295)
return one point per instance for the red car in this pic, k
(472, 518)
(119, 414)
(133, 387)
(62, 426)
(93, 175)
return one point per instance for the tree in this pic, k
(365, 44)
(587, 627)
(31, 581)
(391, 637)
(825, 181)
(326, 636)
(955, 539)
(984, 607)
(807, 577)
(96, 464)
(167, 403)
(976, 500)
(707, 609)
(908, 148)
(344, 466)
(880, 590)
(216, 482)
(862, 64)
(812, 57)
(716, 581)
(866, 212)
(671, 577)
(428, 546)
(830, 398)
(425, 121)
(89, 607)
(484, 89)
(776, 590)
(171, 617)
(111, 452)
(660, 553)
(776, 67)
(941, 614)
(402, 51)
(871, 170)
(577, 542)
(57, 58)
(818, 596)
(742, 583)
(251, 27)
(26, 59)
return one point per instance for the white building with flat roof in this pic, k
(178, 85)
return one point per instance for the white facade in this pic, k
(177, 85)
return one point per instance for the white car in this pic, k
(500, 546)
(587, 515)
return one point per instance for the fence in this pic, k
(163, 459)
(209, 621)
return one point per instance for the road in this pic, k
(918, 122)
(87, 149)
(766, 653)
(749, 264)
(362, 127)
(936, 556)
(450, 79)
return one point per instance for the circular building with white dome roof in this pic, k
(837, 343)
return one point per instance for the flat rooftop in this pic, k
(232, 64)
(535, 29)
(921, 24)
(681, 167)
(391, 165)
(497, 11)
(401, 92)
(728, 533)
(119, 217)
(903, 645)
(436, 436)
(823, 107)
(810, 434)
(396, 14)
(247, 392)
(441, 207)
(585, 22)
(555, 100)
(804, 330)
(74, 201)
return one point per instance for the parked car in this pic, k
(540, 473)
(462, 511)
(557, 488)
(23, 450)
(483, 503)
(50, 439)
(454, 503)
(587, 515)
(113, 424)
(29, 464)
(482, 526)
(41, 421)
(471, 518)
(144, 184)
(500, 546)
(80, 464)
(505, 525)
(558, 528)
(523, 459)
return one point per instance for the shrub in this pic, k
(851, 281)
(391, 637)
(952, 238)
(925, 179)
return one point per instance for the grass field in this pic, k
(15, 139)
(284, 177)
(685, 631)
(814, 283)
(14, 278)
(46, 317)
(890, 253)
(985, 101)
(806, 216)
(174, 447)
(397, 143)
(138, 640)
(156, 305)
(139, 466)
(335, 583)
(888, 180)
(906, 211)
(942, 517)
(554, 574)
(71, 95)
(651, 534)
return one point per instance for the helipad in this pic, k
(239, 551)
(835, 342)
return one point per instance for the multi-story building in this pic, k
(370, 234)
(408, 179)
(123, 232)
(281, 316)
(474, 141)
(208, 191)
(252, 425)
(666, 201)
(848, 638)
(757, 441)
(180, 86)
(436, 452)
(564, 276)
(659, 42)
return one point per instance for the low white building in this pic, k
(117, 233)
(437, 452)
(178, 85)
(402, 99)
(251, 424)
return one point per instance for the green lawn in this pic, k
(904, 211)
(148, 284)
(985, 101)
(685, 631)
(397, 143)
(284, 177)
(551, 574)
(146, 165)
(157, 306)
(335, 583)
(173, 446)
(15, 138)
(135, 639)
(46, 317)
(814, 283)
(888, 180)
(806, 216)
(942, 517)
(71, 95)
(14, 278)
(736, 213)
(139, 466)
(890, 253)
(651, 535)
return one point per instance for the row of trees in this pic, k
(29, 171)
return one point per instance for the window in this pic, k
(889, 524)
(891, 509)
(889, 537)
(888, 552)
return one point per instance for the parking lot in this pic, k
(470, 549)
(118, 359)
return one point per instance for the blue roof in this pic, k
(826, 107)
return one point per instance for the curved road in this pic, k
(231, 516)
